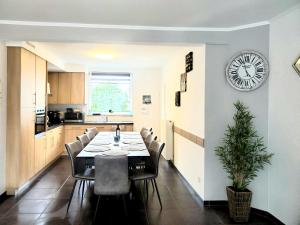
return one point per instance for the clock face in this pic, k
(247, 70)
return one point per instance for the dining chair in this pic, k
(146, 133)
(149, 139)
(94, 130)
(111, 178)
(79, 170)
(90, 135)
(150, 172)
(84, 140)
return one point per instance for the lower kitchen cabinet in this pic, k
(40, 152)
(55, 143)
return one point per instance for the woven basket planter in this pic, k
(239, 204)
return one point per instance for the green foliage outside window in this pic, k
(109, 96)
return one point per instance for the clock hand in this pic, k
(248, 75)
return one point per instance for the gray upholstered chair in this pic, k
(149, 139)
(79, 170)
(150, 172)
(111, 177)
(84, 140)
(146, 133)
(93, 130)
(90, 135)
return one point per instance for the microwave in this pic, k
(75, 117)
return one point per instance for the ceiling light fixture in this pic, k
(104, 56)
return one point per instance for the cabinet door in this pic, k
(64, 88)
(50, 151)
(27, 152)
(40, 81)
(27, 79)
(40, 152)
(78, 88)
(53, 81)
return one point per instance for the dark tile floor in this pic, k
(45, 203)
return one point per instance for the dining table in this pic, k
(106, 143)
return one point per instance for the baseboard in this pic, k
(3, 197)
(223, 203)
(195, 195)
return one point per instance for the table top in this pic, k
(131, 143)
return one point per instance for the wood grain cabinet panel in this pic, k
(64, 88)
(27, 79)
(40, 152)
(40, 81)
(78, 88)
(53, 81)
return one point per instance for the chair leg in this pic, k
(82, 192)
(157, 193)
(153, 188)
(80, 183)
(147, 190)
(96, 211)
(124, 204)
(71, 196)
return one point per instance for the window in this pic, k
(109, 92)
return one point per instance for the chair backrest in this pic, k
(90, 135)
(94, 130)
(111, 175)
(145, 134)
(73, 150)
(84, 140)
(155, 150)
(149, 139)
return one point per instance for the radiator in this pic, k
(169, 147)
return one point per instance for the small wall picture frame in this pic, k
(147, 99)
(183, 82)
(296, 65)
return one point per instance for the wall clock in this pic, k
(247, 70)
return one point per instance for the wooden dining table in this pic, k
(130, 144)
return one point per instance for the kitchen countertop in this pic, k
(91, 123)
(99, 123)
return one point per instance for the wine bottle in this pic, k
(118, 131)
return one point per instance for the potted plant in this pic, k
(242, 154)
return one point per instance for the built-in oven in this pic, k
(40, 120)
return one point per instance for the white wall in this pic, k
(188, 157)
(219, 110)
(284, 118)
(3, 75)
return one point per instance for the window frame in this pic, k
(130, 97)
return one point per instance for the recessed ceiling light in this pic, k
(104, 56)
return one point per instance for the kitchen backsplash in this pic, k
(82, 108)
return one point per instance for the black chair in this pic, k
(111, 178)
(79, 170)
(150, 172)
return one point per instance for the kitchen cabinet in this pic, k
(66, 88)
(40, 81)
(55, 144)
(77, 88)
(20, 150)
(40, 152)
(53, 82)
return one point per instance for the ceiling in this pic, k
(83, 56)
(162, 13)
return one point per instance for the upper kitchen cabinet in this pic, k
(53, 85)
(66, 88)
(40, 81)
(26, 74)
(78, 88)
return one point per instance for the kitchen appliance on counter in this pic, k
(53, 118)
(73, 116)
(40, 120)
